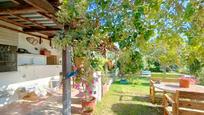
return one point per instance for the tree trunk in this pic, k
(67, 64)
(165, 67)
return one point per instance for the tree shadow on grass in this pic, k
(145, 84)
(139, 98)
(126, 97)
(135, 109)
(118, 83)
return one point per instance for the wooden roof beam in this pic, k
(41, 30)
(22, 10)
(13, 22)
(16, 2)
(53, 19)
(27, 19)
(52, 36)
(42, 5)
(16, 30)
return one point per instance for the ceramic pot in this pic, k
(88, 103)
(87, 112)
(184, 83)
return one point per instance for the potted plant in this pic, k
(86, 75)
(79, 54)
(186, 81)
(85, 79)
(88, 100)
(87, 111)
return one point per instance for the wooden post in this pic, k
(67, 67)
(67, 64)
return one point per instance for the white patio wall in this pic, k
(27, 75)
(8, 37)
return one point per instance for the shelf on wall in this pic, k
(31, 59)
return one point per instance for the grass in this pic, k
(127, 99)
(167, 75)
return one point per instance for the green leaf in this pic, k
(141, 10)
(189, 11)
(148, 34)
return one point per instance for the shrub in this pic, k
(201, 76)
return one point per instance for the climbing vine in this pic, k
(165, 29)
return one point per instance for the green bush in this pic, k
(130, 62)
(201, 76)
(154, 66)
(98, 64)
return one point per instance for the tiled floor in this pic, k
(51, 105)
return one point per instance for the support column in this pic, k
(67, 67)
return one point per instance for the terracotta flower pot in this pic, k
(45, 52)
(88, 103)
(87, 112)
(184, 83)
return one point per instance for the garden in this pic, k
(118, 39)
(128, 99)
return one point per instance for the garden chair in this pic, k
(185, 103)
(154, 91)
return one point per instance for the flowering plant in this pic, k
(85, 82)
(86, 89)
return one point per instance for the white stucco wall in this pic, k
(23, 43)
(12, 80)
(29, 75)
(8, 37)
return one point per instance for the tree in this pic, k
(67, 16)
(180, 20)
(165, 29)
(194, 55)
(130, 61)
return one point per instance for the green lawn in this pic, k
(129, 99)
(167, 75)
